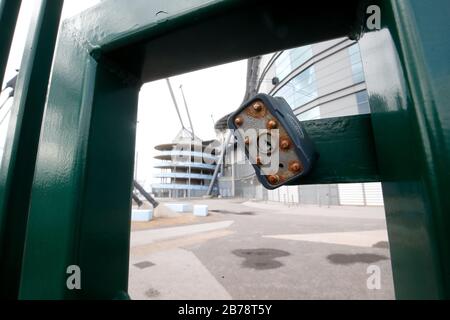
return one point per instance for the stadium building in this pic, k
(185, 166)
(321, 80)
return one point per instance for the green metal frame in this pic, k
(88, 130)
(411, 125)
(346, 148)
(17, 168)
(9, 12)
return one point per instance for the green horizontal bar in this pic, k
(147, 40)
(346, 148)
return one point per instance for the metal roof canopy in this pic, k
(86, 148)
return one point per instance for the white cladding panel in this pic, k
(360, 194)
(374, 194)
(351, 194)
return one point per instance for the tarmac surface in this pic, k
(258, 250)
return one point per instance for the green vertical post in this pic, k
(86, 153)
(9, 12)
(407, 68)
(17, 169)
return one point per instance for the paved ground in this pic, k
(255, 250)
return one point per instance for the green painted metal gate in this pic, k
(61, 149)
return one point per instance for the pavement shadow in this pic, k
(261, 259)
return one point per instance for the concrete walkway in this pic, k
(324, 211)
(148, 236)
(173, 274)
(358, 239)
(257, 250)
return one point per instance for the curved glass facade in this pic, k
(290, 60)
(321, 79)
(356, 63)
(299, 90)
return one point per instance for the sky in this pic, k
(210, 94)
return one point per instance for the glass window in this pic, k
(356, 63)
(311, 114)
(362, 99)
(283, 65)
(290, 60)
(300, 90)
